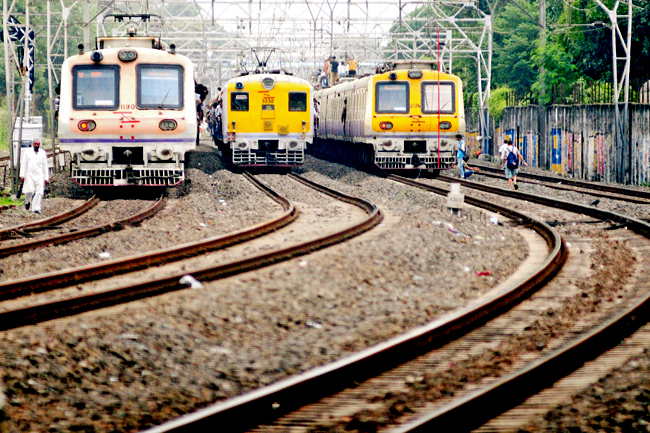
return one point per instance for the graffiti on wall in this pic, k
(600, 155)
(556, 157)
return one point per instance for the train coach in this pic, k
(127, 113)
(405, 118)
(266, 120)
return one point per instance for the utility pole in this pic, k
(544, 146)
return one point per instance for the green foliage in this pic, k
(4, 126)
(514, 42)
(7, 201)
(498, 102)
(558, 69)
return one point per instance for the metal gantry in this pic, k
(227, 37)
(621, 76)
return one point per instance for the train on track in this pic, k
(404, 118)
(265, 119)
(127, 112)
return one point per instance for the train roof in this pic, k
(104, 42)
(278, 78)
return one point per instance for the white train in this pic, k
(127, 113)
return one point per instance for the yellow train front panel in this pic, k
(267, 119)
(407, 118)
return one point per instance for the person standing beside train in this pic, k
(461, 153)
(34, 174)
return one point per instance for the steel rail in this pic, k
(473, 410)
(572, 182)
(270, 402)
(635, 224)
(83, 233)
(31, 315)
(554, 185)
(53, 220)
(41, 283)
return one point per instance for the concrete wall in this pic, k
(578, 141)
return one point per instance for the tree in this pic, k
(515, 39)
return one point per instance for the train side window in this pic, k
(160, 86)
(392, 97)
(239, 101)
(297, 101)
(432, 91)
(95, 87)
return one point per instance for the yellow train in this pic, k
(265, 119)
(127, 113)
(405, 118)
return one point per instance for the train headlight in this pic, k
(96, 57)
(392, 76)
(127, 55)
(164, 153)
(242, 145)
(293, 144)
(89, 154)
(445, 125)
(385, 126)
(167, 124)
(87, 125)
(387, 144)
(415, 74)
(268, 83)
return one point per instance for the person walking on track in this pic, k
(35, 175)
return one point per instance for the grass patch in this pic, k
(5, 200)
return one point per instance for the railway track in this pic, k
(593, 188)
(279, 400)
(50, 221)
(582, 344)
(267, 404)
(38, 313)
(70, 236)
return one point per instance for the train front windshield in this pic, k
(95, 87)
(392, 97)
(160, 86)
(438, 97)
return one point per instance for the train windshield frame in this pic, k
(95, 87)
(239, 101)
(160, 86)
(392, 97)
(298, 101)
(447, 92)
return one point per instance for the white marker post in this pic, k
(455, 199)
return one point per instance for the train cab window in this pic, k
(95, 87)
(432, 92)
(297, 101)
(239, 101)
(160, 86)
(392, 97)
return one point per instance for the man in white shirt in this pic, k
(35, 175)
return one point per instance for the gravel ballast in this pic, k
(140, 364)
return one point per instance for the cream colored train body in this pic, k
(267, 120)
(402, 119)
(127, 113)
